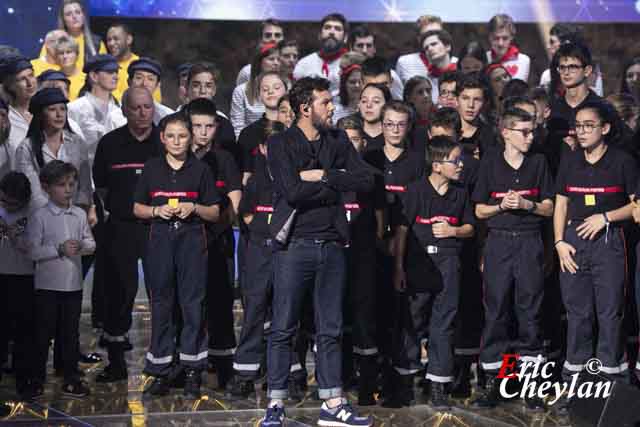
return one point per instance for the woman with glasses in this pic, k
(593, 189)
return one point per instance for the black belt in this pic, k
(318, 242)
(439, 250)
(514, 233)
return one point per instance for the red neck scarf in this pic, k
(511, 53)
(425, 60)
(437, 72)
(330, 57)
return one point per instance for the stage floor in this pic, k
(120, 404)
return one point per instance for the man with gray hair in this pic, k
(119, 161)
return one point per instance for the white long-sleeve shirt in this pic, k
(242, 113)
(411, 65)
(73, 150)
(243, 75)
(49, 227)
(518, 67)
(91, 114)
(311, 66)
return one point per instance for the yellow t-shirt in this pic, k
(40, 65)
(80, 41)
(123, 76)
(77, 81)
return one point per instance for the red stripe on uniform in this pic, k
(438, 218)
(220, 184)
(528, 192)
(395, 188)
(187, 194)
(128, 166)
(352, 206)
(590, 190)
(267, 209)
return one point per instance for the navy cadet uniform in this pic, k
(393, 178)
(118, 165)
(257, 286)
(432, 269)
(222, 339)
(360, 332)
(470, 311)
(176, 262)
(513, 259)
(598, 287)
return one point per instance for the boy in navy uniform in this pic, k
(228, 181)
(513, 193)
(594, 186)
(397, 166)
(177, 193)
(436, 216)
(118, 165)
(256, 210)
(360, 303)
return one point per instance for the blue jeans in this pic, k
(321, 266)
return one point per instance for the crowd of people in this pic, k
(399, 223)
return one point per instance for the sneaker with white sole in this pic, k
(274, 417)
(342, 415)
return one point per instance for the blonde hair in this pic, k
(67, 41)
(502, 22)
(425, 20)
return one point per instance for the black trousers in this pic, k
(595, 295)
(257, 291)
(98, 308)
(222, 339)
(52, 307)
(513, 290)
(361, 295)
(176, 269)
(17, 320)
(443, 306)
(126, 245)
(470, 319)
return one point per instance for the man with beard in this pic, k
(119, 41)
(5, 128)
(363, 41)
(311, 165)
(48, 61)
(326, 62)
(271, 32)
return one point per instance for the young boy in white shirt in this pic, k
(59, 235)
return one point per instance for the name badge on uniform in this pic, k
(269, 219)
(173, 203)
(138, 171)
(589, 199)
(348, 216)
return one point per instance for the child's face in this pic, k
(356, 139)
(176, 139)
(451, 166)
(61, 192)
(10, 204)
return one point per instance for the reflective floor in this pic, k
(120, 404)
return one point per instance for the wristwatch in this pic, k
(324, 179)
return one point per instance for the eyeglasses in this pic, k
(524, 132)
(397, 126)
(447, 93)
(586, 127)
(457, 161)
(572, 68)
